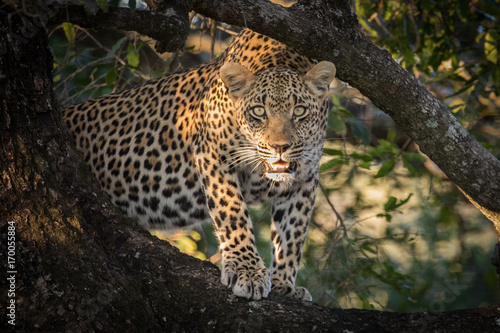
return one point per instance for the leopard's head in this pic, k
(281, 116)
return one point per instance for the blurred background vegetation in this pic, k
(390, 231)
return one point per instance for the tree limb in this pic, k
(328, 30)
(168, 26)
(82, 266)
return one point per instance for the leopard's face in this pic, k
(281, 117)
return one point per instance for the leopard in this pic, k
(205, 143)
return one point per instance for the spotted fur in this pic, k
(207, 142)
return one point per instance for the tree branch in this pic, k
(82, 266)
(328, 30)
(168, 26)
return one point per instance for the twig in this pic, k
(339, 217)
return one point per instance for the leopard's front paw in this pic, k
(293, 291)
(247, 279)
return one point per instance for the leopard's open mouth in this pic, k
(281, 167)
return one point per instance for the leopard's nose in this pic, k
(280, 148)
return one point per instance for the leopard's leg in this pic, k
(243, 270)
(291, 215)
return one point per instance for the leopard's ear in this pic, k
(319, 77)
(237, 78)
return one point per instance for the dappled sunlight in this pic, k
(405, 253)
(390, 233)
(184, 240)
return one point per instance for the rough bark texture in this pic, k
(332, 28)
(170, 27)
(81, 266)
(329, 30)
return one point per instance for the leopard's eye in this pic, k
(299, 112)
(258, 112)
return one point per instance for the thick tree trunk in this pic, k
(73, 263)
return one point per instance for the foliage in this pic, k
(452, 47)
(388, 232)
(88, 66)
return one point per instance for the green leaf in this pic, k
(392, 203)
(405, 200)
(479, 37)
(332, 152)
(359, 130)
(103, 4)
(332, 163)
(362, 157)
(110, 77)
(409, 166)
(388, 217)
(365, 160)
(132, 56)
(385, 143)
(490, 50)
(365, 165)
(414, 157)
(335, 100)
(115, 47)
(69, 31)
(386, 168)
(336, 124)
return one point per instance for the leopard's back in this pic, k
(138, 143)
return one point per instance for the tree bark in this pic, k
(74, 263)
(329, 30)
(333, 29)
